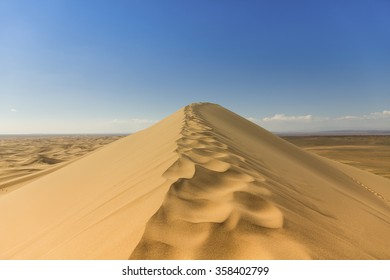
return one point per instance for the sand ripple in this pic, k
(215, 192)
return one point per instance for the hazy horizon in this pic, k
(280, 133)
(108, 68)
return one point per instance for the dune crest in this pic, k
(233, 183)
(204, 183)
(214, 190)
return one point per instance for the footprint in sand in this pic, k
(214, 190)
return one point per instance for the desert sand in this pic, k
(204, 183)
(25, 158)
(367, 152)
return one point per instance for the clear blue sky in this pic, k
(118, 66)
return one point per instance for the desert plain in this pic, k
(366, 152)
(203, 183)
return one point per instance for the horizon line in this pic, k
(341, 132)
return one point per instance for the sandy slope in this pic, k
(25, 158)
(203, 183)
(96, 207)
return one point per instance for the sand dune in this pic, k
(203, 183)
(25, 158)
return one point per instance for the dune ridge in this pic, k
(214, 189)
(221, 205)
(204, 183)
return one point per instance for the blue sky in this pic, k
(119, 66)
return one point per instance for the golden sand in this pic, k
(204, 183)
(25, 158)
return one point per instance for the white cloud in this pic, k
(383, 114)
(283, 117)
(13, 110)
(350, 118)
(372, 116)
(281, 122)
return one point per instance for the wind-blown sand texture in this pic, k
(25, 158)
(204, 183)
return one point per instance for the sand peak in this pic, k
(204, 183)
